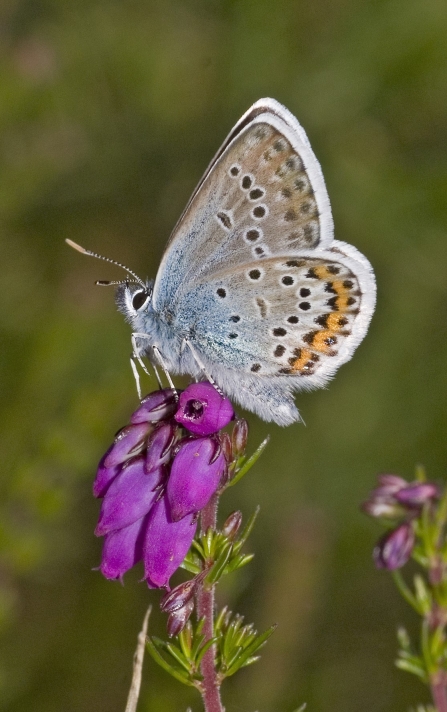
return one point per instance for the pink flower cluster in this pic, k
(161, 470)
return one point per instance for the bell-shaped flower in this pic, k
(166, 543)
(159, 445)
(127, 442)
(395, 547)
(122, 549)
(195, 476)
(129, 497)
(156, 406)
(202, 410)
(417, 493)
(104, 476)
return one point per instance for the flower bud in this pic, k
(202, 410)
(179, 596)
(227, 450)
(156, 406)
(166, 543)
(159, 445)
(104, 476)
(232, 525)
(415, 495)
(126, 442)
(122, 549)
(395, 547)
(129, 497)
(239, 437)
(195, 476)
(179, 618)
(389, 484)
(383, 508)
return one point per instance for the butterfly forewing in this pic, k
(265, 195)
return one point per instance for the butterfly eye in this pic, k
(139, 299)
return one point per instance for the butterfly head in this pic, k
(134, 300)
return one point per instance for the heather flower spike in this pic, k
(202, 410)
(162, 474)
(419, 533)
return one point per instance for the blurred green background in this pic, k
(109, 113)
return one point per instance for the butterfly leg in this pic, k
(196, 358)
(162, 365)
(136, 357)
(136, 375)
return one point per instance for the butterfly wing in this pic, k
(263, 194)
(299, 317)
(252, 275)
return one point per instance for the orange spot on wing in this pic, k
(300, 363)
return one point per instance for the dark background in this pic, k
(109, 113)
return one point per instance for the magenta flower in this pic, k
(166, 543)
(395, 547)
(154, 482)
(157, 406)
(416, 494)
(395, 498)
(122, 549)
(202, 410)
(129, 497)
(195, 476)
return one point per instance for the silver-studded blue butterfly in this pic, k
(253, 291)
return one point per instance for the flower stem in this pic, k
(439, 693)
(205, 609)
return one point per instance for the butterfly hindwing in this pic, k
(292, 316)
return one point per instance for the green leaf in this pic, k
(176, 672)
(423, 595)
(190, 567)
(178, 655)
(219, 566)
(185, 638)
(238, 562)
(248, 464)
(405, 591)
(247, 530)
(403, 638)
(412, 668)
(248, 652)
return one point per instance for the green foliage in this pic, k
(182, 660)
(217, 553)
(237, 644)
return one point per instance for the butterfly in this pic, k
(253, 290)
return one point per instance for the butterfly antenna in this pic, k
(83, 251)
